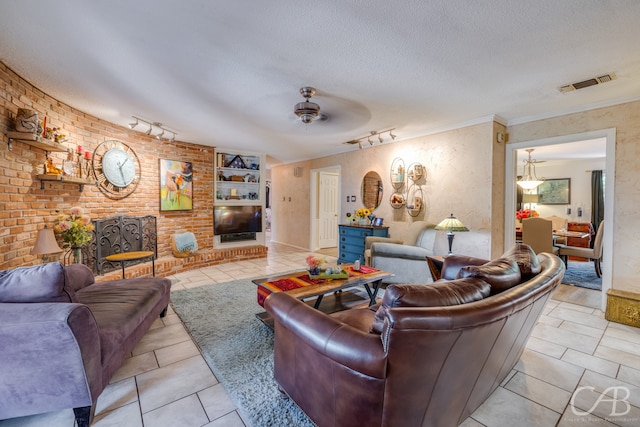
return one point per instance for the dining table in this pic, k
(556, 234)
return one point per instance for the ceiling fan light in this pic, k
(307, 111)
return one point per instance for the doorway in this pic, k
(325, 207)
(510, 192)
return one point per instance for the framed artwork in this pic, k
(555, 192)
(176, 185)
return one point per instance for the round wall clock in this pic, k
(116, 168)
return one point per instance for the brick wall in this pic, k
(25, 207)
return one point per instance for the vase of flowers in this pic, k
(362, 214)
(315, 264)
(526, 213)
(75, 230)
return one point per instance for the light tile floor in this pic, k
(573, 358)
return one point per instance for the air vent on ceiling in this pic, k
(589, 82)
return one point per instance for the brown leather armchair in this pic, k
(429, 366)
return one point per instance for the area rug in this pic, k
(239, 349)
(582, 274)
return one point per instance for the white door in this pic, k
(328, 210)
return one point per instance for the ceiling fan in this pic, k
(308, 111)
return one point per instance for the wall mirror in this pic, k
(371, 190)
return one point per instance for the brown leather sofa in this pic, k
(427, 355)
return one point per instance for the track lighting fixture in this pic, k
(373, 133)
(157, 125)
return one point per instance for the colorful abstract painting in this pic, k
(176, 185)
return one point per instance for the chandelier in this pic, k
(529, 180)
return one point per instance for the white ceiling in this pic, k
(228, 73)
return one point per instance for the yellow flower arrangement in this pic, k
(74, 228)
(363, 213)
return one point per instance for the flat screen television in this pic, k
(237, 219)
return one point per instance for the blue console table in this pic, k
(351, 244)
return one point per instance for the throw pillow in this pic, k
(501, 274)
(439, 294)
(526, 259)
(40, 283)
(453, 263)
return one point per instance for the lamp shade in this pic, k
(530, 198)
(45, 243)
(451, 223)
(529, 185)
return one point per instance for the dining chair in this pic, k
(594, 254)
(538, 233)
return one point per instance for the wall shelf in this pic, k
(238, 178)
(35, 141)
(64, 179)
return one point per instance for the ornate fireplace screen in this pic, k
(116, 235)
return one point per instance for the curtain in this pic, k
(597, 198)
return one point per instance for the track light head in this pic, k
(161, 129)
(380, 139)
(393, 137)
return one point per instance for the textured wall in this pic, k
(460, 170)
(24, 207)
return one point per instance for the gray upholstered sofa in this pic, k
(63, 336)
(404, 258)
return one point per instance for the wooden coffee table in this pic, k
(296, 284)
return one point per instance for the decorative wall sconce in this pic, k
(159, 135)
(373, 133)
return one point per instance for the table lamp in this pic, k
(451, 224)
(45, 244)
(530, 198)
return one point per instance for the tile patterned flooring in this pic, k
(573, 358)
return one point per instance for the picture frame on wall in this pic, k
(555, 192)
(176, 185)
